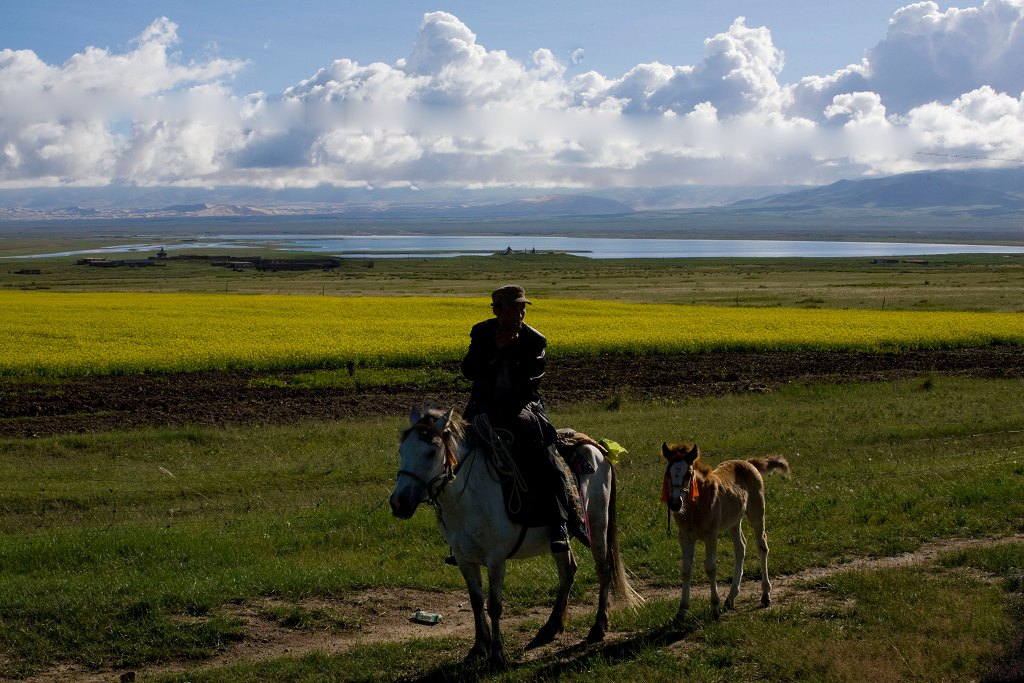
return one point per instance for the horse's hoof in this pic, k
(716, 613)
(596, 635)
(497, 662)
(475, 655)
(766, 601)
(540, 640)
(544, 636)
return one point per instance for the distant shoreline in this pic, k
(860, 226)
(447, 246)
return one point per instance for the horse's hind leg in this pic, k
(601, 516)
(756, 516)
(555, 624)
(739, 551)
(600, 627)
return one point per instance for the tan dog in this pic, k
(705, 503)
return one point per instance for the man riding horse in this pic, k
(505, 362)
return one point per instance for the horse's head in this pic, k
(427, 458)
(680, 474)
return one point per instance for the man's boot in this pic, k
(559, 539)
(575, 523)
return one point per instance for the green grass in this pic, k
(126, 549)
(856, 629)
(957, 282)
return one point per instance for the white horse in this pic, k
(460, 480)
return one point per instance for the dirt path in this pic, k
(384, 615)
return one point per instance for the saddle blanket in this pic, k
(529, 497)
(566, 443)
(574, 465)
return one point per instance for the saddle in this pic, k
(530, 490)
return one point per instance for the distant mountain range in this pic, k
(981, 191)
(978, 194)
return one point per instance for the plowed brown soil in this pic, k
(42, 407)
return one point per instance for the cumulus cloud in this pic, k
(930, 56)
(739, 75)
(455, 113)
(58, 124)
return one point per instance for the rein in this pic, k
(500, 463)
(435, 487)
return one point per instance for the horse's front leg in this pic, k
(555, 624)
(739, 551)
(686, 546)
(711, 567)
(495, 588)
(471, 573)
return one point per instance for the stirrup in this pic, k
(560, 546)
(559, 539)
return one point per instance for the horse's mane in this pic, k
(698, 464)
(456, 428)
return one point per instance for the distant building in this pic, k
(120, 263)
(298, 264)
(892, 261)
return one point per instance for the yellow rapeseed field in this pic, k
(51, 333)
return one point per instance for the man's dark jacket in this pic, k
(525, 358)
(518, 409)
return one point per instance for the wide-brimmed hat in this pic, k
(509, 294)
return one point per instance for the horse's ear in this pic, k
(666, 452)
(414, 415)
(442, 422)
(693, 454)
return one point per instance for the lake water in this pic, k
(435, 246)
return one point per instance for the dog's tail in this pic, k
(771, 463)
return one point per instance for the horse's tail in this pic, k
(618, 580)
(770, 464)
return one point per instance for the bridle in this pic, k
(427, 432)
(667, 484)
(689, 481)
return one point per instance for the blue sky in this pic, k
(567, 94)
(286, 46)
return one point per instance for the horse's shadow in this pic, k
(554, 664)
